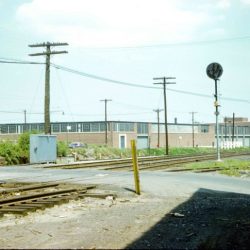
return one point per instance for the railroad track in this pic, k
(145, 163)
(39, 198)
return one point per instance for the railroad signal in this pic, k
(214, 71)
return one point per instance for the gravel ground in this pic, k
(207, 219)
(175, 211)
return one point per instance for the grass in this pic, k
(187, 151)
(99, 152)
(230, 167)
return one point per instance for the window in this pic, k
(72, 127)
(123, 126)
(64, 127)
(34, 127)
(95, 127)
(247, 130)
(86, 127)
(204, 128)
(103, 127)
(56, 128)
(41, 127)
(79, 127)
(240, 130)
(142, 128)
(115, 126)
(26, 128)
(4, 129)
(12, 129)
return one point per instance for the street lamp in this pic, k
(214, 71)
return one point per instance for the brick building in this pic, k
(120, 133)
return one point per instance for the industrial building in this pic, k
(119, 133)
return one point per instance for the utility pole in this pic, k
(47, 53)
(225, 128)
(25, 115)
(158, 124)
(233, 128)
(106, 125)
(164, 83)
(192, 113)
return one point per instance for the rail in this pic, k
(37, 196)
(145, 163)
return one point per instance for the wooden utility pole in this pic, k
(106, 123)
(193, 127)
(47, 53)
(164, 83)
(233, 128)
(25, 116)
(158, 125)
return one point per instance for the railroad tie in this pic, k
(14, 210)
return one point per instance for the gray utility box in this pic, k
(42, 148)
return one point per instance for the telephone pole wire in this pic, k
(47, 53)
(192, 113)
(106, 125)
(158, 125)
(164, 83)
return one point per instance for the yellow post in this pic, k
(135, 167)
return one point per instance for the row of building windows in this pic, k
(174, 128)
(75, 127)
(67, 127)
(124, 127)
(142, 128)
(228, 130)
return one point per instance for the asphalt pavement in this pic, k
(155, 182)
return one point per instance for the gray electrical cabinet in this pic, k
(42, 148)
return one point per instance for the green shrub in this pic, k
(24, 146)
(62, 148)
(10, 152)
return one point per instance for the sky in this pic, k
(116, 48)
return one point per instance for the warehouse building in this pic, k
(119, 133)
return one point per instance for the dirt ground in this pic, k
(205, 219)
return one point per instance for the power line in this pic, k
(16, 62)
(100, 77)
(97, 77)
(30, 113)
(10, 112)
(163, 45)
(84, 74)
(64, 94)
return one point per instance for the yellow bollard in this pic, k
(135, 167)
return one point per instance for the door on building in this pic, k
(142, 142)
(122, 141)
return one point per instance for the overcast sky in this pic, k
(128, 41)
